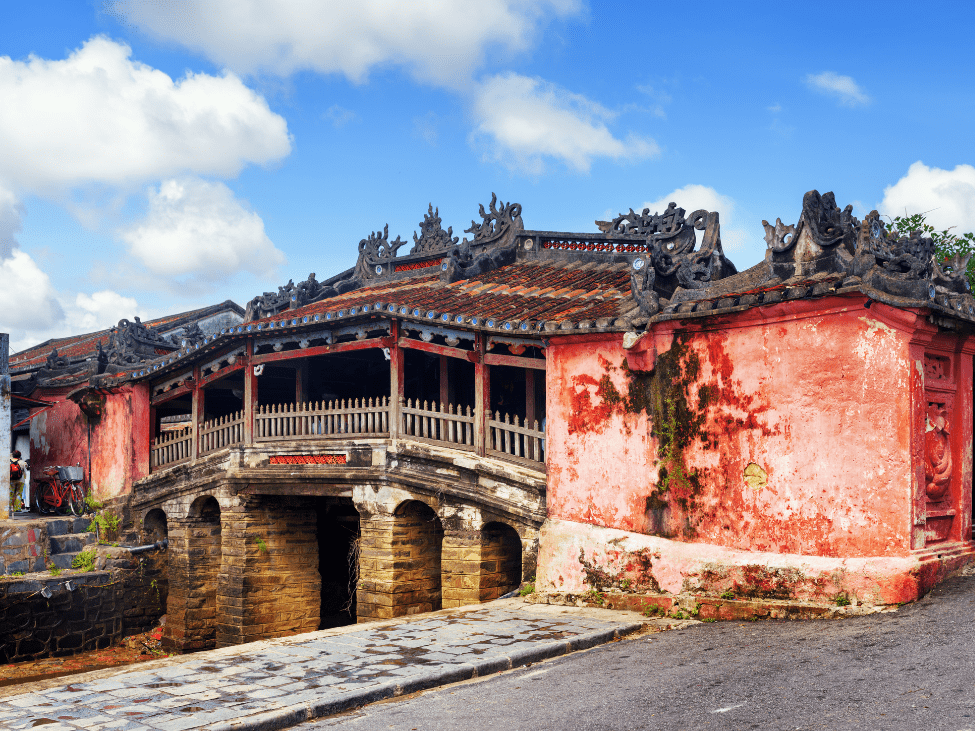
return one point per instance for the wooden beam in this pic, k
(469, 355)
(514, 360)
(285, 355)
(222, 373)
(170, 395)
(396, 380)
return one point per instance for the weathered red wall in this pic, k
(119, 439)
(818, 394)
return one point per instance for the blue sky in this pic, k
(158, 156)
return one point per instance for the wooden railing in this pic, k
(221, 432)
(171, 448)
(506, 438)
(327, 420)
(446, 424)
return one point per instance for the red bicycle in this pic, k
(61, 490)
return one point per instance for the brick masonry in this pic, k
(400, 563)
(270, 585)
(99, 608)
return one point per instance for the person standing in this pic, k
(18, 471)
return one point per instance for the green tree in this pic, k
(947, 244)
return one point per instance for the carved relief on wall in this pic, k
(936, 367)
(937, 451)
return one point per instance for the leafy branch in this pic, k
(947, 244)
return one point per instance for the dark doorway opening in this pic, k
(338, 560)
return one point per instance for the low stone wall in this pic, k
(22, 548)
(42, 615)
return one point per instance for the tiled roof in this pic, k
(76, 347)
(518, 292)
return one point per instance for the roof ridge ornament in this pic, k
(824, 239)
(645, 223)
(433, 239)
(905, 266)
(898, 271)
(495, 239)
(671, 262)
(496, 224)
(375, 253)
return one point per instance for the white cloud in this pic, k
(28, 300)
(844, 88)
(10, 212)
(693, 197)
(101, 310)
(438, 41)
(99, 117)
(946, 197)
(198, 227)
(524, 120)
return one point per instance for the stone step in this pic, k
(62, 560)
(67, 525)
(71, 542)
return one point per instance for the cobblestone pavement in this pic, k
(280, 683)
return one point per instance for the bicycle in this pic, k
(61, 491)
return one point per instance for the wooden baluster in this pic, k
(517, 437)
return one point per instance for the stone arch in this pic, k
(194, 580)
(501, 560)
(206, 507)
(155, 526)
(155, 564)
(416, 553)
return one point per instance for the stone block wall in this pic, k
(22, 549)
(195, 556)
(400, 564)
(461, 568)
(500, 567)
(99, 608)
(270, 586)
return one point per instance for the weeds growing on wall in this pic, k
(105, 525)
(84, 561)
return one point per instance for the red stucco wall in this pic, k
(119, 452)
(818, 394)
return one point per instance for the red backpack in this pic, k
(16, 472)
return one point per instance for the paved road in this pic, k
(280, 683)
(911, 669)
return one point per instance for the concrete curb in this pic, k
(333, 702)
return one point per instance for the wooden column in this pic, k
(197, 412)
(482, 395)
(396, 381)
(301, 380)
(530, 414)
(250, 393)
(153, 432)
(444, 383)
